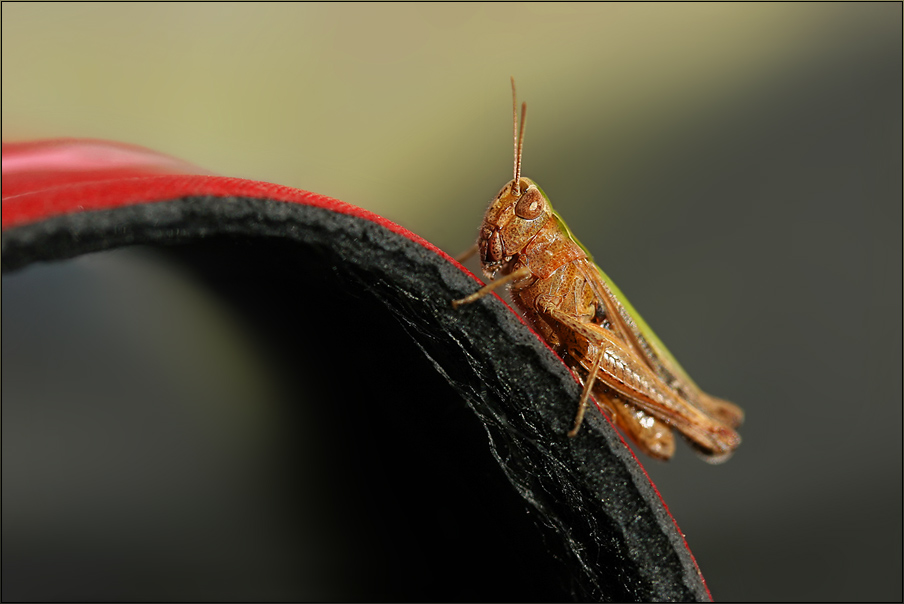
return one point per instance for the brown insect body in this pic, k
(566, 298)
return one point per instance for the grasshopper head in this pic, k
(514, 217)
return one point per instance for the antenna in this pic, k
(518, 136)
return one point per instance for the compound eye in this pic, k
(530, 205)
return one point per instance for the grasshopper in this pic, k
(580, 313)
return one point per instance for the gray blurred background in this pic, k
(735, 168)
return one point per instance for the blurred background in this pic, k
(735, 168)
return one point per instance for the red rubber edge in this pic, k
(47, 178)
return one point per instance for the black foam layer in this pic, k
(346, 287)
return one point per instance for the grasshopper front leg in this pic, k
(462, 257)
(492, 285)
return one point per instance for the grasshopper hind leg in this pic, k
(585, 395)
(649, 434)
(652, 436)
(634, 381)
(726, 412)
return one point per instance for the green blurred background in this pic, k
(735, 168)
